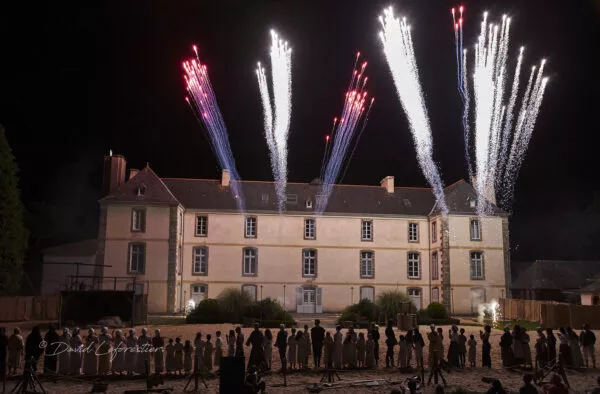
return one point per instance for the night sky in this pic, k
(78, 80)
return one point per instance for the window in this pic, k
(250, 263)
(366, 230)
(475, 230)
(250, 290)
(413, 232)
(250, 231)
(137, 258)
(310, 229)
(414, 265)
(201, 226)
(435, 295)
(415, 297)
(138, 220)
(435, 269)
(433, 231)
(309, 262)
(265, 197)
(309, 296)
(291, 199)
(367, 264)
(200, 263)
(199, 293)
(367, 293)
(476, 265)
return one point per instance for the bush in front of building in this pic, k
(207, 312)
(234, 302)
(392, 302)
(360, 314)
(437, 310)
(269, 310)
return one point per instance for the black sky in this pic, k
(82, 78)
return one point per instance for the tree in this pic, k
(13, 235)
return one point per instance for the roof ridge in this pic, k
(162, 183)
(291, 183)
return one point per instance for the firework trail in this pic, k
(500, 144)
(344, 132)
(204, 105)
(399, 53)
(277, 112)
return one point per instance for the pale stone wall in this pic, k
(56, 276)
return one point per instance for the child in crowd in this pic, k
(178, 355)
(170, 361)
(402, 353)
(292, 349)
(188, 351)
(361, 349)
(208, 351)
(462, 348)
(370, 352)
(472, 350)
(218, 349)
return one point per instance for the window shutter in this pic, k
(319, 291)
(298, 295)
(316, 263)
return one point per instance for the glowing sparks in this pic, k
(278, 112)
(204, 104)
(355, 103)
(489, 313)
(400, 56)
(500, 143)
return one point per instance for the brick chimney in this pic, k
(113, 174)
(133, 172)
(388, 183)
(225, 178)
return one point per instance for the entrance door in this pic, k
(477, 298)
(309, 300)
(198, 293)
(415, 297)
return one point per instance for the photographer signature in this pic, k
(62, 347)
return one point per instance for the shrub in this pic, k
(233, 303)
(267, 309)
(436, 310)
(392, 302)
(207, 311)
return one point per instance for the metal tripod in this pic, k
(30, 381)
(196, 376)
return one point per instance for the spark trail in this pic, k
(400, 56)
(355, 112)
(203, 102)
(500, 143)
(277, 112)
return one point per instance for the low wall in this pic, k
(550, 314)
(14, 309)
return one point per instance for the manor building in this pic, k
(179, 239)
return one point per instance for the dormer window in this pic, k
(140, 190)
(309, 204)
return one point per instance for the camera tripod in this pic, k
(330, 374)
(435, 373)
(553, 367)
(30, 381)
(196, 376)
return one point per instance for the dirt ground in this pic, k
(297, 382)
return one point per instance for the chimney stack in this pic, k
(133, 172)
(388, 184)
(113, 174)
(225, 178)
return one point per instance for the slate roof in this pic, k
(260, 197)
(593, 285)
(87, 247)
(556, 275)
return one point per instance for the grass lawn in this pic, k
(531, 326)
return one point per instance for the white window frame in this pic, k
(138, 220)
(201, 226)
(367, 264)
(310, 228)
(250, 227)
(413, 232)
(200, 259)
(476, 265)
(366, 230)
(132, 253)
(249, 289)
(434, 231)
(475, 229)
(413, 264)
(364, 288)
(309, 296)
(309, 260)
(249, 254)
(435, 266)
(418, 293)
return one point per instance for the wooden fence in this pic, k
(550, 314)
(13, 309)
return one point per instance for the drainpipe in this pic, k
(429, 257)
(181, 262)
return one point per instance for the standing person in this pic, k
(90, 360)
(434, 340)
(158, 344)
(118, 362)
(104, 354)
(527, 349)
(292, 349)
(208, 353)
(375, 334)
(15, 351)
(403, 349)
(268, 348)
(408, 338)
(257, 355)
(317, 334)
(441, 344)
(178, 347)
(419, 344)
(527, 387)
(541, 350)
(518, 355)
(77, 355)
(564, 353)
(52, 345)
(281, 345)
(218, 350)
(328, 350)
(307, 350)
(3, 356)
(64, 358)
(33, 348)
(352, 348)
(390, 342)
(370, 351)
(486, 348)
(551, 343)
(301, 349)
(462, 348)
(231, 344)
(453, 358)
(188, 351)
(199, 353)
(472, 343)
(588, 341)
(131, 356)
(170, 357)
(239, 343)
(337, 348)
(576, 358)
(506, 351)
(360, 350)
(143, 353)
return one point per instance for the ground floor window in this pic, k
(309, 299)
(367, 293)
(199, 292)
(250, 290)
(435, 295)
(415, 297)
